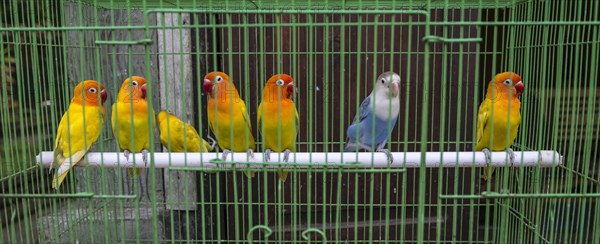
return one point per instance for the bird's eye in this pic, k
(218, 79)
(92, 90)
(279, 82)
(508, 82)
(382, 81)
(134, 83)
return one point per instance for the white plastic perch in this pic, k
(332, 159)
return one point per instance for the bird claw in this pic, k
(249, 172)
(126, 154)
(388, 154)
(251, 153)
(488, 160)
(224, 154)
(488, 156)
(213, 141)
(286, 155)
(145, 155)
(511, 156)
(267, 155)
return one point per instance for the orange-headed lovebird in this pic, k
(131, 124)
(227, 116)
(278, 118)
(178, 136)
(501, 110)
(79, 128)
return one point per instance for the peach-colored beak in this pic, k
(520, 88)
(395, 88)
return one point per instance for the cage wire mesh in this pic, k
(445, 52)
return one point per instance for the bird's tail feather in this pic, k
(65, 167)
(487, 173)
(350, 147)
(283, 175)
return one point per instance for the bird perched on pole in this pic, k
(227, 116)
(376, 117)
(133, 119)
(278, 118)
(79, 128)
(499, 117)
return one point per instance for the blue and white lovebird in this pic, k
(369, 130)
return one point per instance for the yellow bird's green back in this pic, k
(172, 131)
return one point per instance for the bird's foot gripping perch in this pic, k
(388, 154)
(145, 157)
(267, 155)
(511, 156)
(224, 154)
(126, 154)
(282, 173)
(213, 142)
(487, 170)
(133, 171)
(286, 156)
(249, 172)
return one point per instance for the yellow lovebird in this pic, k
(227, 116)
(178, 136)
(278, 118)
(501, 110)
(130, 123)
(79, 128)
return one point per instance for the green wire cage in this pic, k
(445, 52)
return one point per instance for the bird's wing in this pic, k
(482, 119)
(364, 110)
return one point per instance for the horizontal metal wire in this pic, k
(313, 24)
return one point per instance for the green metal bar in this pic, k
(423, 134)
(361, 170)
(295, 182)
(112, 42)
(65, 195)
(247, 83)
(288, 11)
(311, 116)
(372, 182)
(434, 39)
(366, 23)
(494, 195)
(357, 105)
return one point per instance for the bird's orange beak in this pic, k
(290, 89)
(143, 89)
(520, 88)
(395, 88)
(207, 86)
(103, 95)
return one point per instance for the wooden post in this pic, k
(175, 70)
